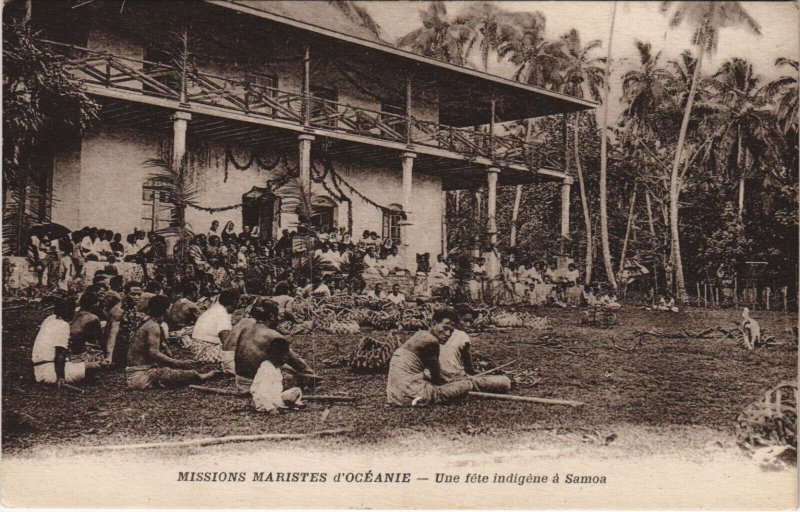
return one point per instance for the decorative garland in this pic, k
(214, 210)
(338, 195)
(335, 177)
(230, 158)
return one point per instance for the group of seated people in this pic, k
(114, 325)
(60, 260)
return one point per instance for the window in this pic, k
(157, 206)
(262, 85)
(391, 223)
(324, 217)
(321, 110)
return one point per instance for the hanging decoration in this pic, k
(254, 158)
(337, 194)
(338, 180)
(214, 210)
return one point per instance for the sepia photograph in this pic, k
(341, 254)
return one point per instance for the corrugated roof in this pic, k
(314, 12)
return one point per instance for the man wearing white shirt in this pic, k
(211, 329)
(377, 293)
(396, 296)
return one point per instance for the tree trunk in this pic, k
(604, 161)
(514, 216)
(674, 186)
(653, 234)
(627, 232)
(518, 192)
(741, 161)
(587, 219)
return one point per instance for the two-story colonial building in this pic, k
(245, 91)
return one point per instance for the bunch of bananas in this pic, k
(341, 327)
(372, 355)
(532, 321)
(507, 319)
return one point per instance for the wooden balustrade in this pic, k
(165, 81)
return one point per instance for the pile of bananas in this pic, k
(341, 327)
(372, 355)
(508, 319)
(532, 321)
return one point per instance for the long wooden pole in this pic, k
(532, 399)
(627, 232)
(307, 85)
(494, 369)
(211, 441)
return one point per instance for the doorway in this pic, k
(259, 211)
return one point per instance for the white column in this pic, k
(179, 125)
(565, 188)
(304, 161)
(405, 250)
(492, 262)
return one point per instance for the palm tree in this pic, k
(604, 159)
(438, 37)
(644, 89)
(784, 93)
(535, 57)
(581, 75)
(747, 125)
(358, 14)
(707, 19)
(491, 28)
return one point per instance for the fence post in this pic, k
(785, 293)
(767, 291)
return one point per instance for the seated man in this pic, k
(321, 288)
(396, 296)
(392, 264)
(439, 267)
(407, 384)
(86, 331)
(267, 387)
(251, 340)
(377, 293)
(184, 311)
(371, 264)
(122, 322)
(455, 359)
(148, 367)
(211, 329)
(51, 349)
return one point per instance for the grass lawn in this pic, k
(662, 389)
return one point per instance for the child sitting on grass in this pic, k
(267, 388)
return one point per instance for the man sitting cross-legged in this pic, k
(211, 329)
(455, 358)
(407, 384)
(148, 367)
(50, 349)
(251, 339)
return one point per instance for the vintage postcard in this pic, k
(412, 255)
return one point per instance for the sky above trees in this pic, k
(636, 20)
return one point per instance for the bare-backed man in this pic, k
(251, 339)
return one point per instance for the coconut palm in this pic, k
(706, 19)
(644, 89)
(581, 75)
(783, 92)
(536, 58)
(358, 14)
(438, 37)
(746, 125)
(491, 27)
(604, 158)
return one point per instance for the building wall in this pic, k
(67, 187)
(102, 186)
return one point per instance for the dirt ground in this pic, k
(662, 392)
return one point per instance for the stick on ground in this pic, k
(533, 399)
(212, 441)
(495, 369)
(244, 394)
